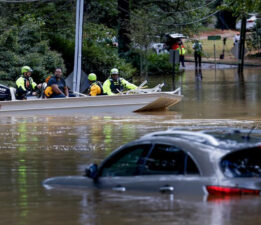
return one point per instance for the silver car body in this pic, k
(203, 154)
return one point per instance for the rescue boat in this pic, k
(139, 100)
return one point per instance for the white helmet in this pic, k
(114, 71)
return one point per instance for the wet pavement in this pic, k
(204, 66)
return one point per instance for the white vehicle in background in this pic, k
(251, 21)
(159, 48)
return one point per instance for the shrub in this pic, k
(159, 64)
(23, 46)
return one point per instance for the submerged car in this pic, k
(215, 162)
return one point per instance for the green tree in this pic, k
(23, 46)
(150, 20)
(242, 8)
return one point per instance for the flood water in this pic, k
(35, 148)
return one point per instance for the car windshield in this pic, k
(243, 163)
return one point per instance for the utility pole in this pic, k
(78, 47)
(242, 44)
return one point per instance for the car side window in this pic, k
(126, 162)
(166, 159)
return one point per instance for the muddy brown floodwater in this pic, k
(35, 148)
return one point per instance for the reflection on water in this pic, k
(34, 148)
(223, 94)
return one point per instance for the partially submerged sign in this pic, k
(84, 84)
(214, 37)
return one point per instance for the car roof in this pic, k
(206, 147)
(176, 35)
(226, 139)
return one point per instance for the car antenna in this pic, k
(248, 134)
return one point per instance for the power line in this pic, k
(191, 10)
(183, 24)
(192, 22)
(23, 1)
(185, 11)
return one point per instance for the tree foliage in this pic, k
(34, 33)
(241, 8)
(21, 46)
(151, 20)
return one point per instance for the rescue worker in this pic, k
(237, 39)
(197, 46)
(175, 45)
(25, 86)
(56, 86)
(95, 87)
(114, 84)
(182, 52)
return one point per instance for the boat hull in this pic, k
(99, 104)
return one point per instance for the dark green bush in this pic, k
(159, 64)
(21, 46)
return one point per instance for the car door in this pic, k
(121, 171)
(150, 167)
(169, 169)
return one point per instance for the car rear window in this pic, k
(243, 163)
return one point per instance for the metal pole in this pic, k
(76, 47)
(79, 69)
(173, 70)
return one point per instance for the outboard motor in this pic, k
(5, 94)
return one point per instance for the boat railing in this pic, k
(79, 94)
(141, 90)
(176, 91)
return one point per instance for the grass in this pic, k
(208, 47)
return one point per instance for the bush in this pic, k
(159, 64)
(23, 46)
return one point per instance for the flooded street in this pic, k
(35, 148)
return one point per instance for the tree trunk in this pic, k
(124, 27)
(146, 62)
(141, 64)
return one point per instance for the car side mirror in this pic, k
(91, 171)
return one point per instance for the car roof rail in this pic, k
(206, 137)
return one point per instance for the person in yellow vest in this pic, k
(182, 52)
(114, 84)
(95, 87)
(25, 85)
